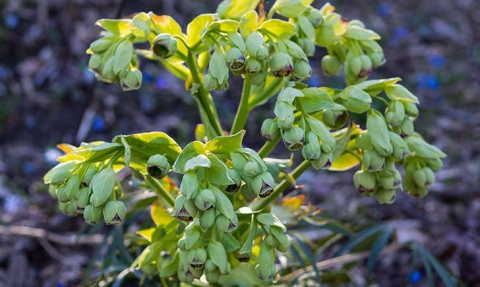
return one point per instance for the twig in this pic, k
(347, 258)
(53, 237)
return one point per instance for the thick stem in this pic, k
(281, 187)
(243, 110)
(204, 99)
(159, 189)
(268, 147)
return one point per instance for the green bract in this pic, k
(222, 217)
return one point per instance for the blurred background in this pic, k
(47, 96)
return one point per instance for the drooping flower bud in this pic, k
(385, 196)
(196, 258)
(355, 99)
(254, 43)
(410, 109)
(83, 199)
(270, 130)
(131, 79)
(406, 127)
(400, 147)
(263, 184)
(281, 65)
(205, 200)
(323, 162)
(184, 209)
(293, 138)
(234, 187)
(158, 166)
(164, 45)
(372, 160)
(395, 113)
(236, 60)
(335, 118)
(301, 70)
(331, 65)
(92, 215)
(315, 17)
(95, 62)
(364, 181)
(251, 169)
(207, 218)
(114, 212)
(366, 69)
(307, 46)
(102, 186)
(253, 66)
(377, 59)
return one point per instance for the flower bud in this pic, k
(406, 127)
(307, 46)
(62, 195)
(286, 122)
(364, 181)
(263, 184)
(102, 186)
(253, 66)
(385, 196)
(355, 99)
(189, 184)
(379, 134)
(400, 147)
(235, 187)
(295, 51)
(207, 218)
(262, 53)
(196, 258)
(366, 69)
(236, 60)
(131, 79)
(52, 190)
(301, 70)
(92, 215)
(435, 164)
(210, 83)
(213, 276)
(100, 45)
(251, 169)
(420, 178)
(335, 118)
(364, 142)
(183, 209)
(222, 223)
(164, 45)
(391, 182)
(114, 212)
(218, 255)
(311, 152)
(372, 160)
(315, 17)
(293, 138)
(410, 109)
(158, 166)
(395, 113)
(377, 59)
(95, 62)
(331, 65)
(323, 162)
(281, 65)
(83, 199)
(247, 193)
(269, 130)
(205, 200)
(271, 241)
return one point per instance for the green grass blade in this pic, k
(359, 238)
(308, 253)
(377, 247)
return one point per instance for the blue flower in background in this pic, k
(401, 33)
(437, 61)
(98, 124)
(427, 81)
(11, 21)
(383, 10)
(161, 82)
(414, 276)
(147, 78)
(314, 81)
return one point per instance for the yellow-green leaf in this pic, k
(345, 162)
(278, 29)
(118, 27)
(234, 9)
(195, 29)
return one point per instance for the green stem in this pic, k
(243, 110)
(281, 187)
(204, 98)
(268, 147)
(161, 190)
(274, 87)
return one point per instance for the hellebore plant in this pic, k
(218, 224)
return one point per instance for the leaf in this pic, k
(375, 86)
(165, 24)
(61, 172)
(247, 246)
(345, 161)
(399, 92)
(223, 204)
(225, 26)
(270, 219)
(198, 161)
(278, 29)
(191, 150)
(123, 56)
(359, 238)
(229, 242)
(377, 248)
(234, 9)
(118, 27)
(242, 275)
(423, 149)
(316, 99)
(225, 144)
(144, 145)
(361, 34)
(218, 171)
(307, 27)
(93, 152)
(248, 23)
(147, 233)
(330, 224)
(439, 269)
(308, 253)
(195, 29)
(128, 153)
(148, 255)
(160, 215)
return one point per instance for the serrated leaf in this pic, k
(234, 9)
(191, 150)
(278, 29)
(198, 161)
(225, 144)
(316, 99)
(399, 92)
(118, 27)
(144, 145)
(196, 28)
